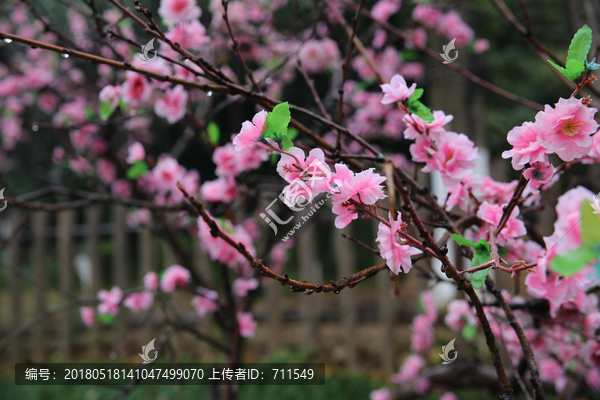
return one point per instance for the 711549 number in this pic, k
(293, 373)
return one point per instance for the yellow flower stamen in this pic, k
(570, 127)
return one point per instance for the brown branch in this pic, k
(295, 286)
(313, 90)
(236, 47)
(514, 201)
(453, 66)
(529, 357)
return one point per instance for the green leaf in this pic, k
(590, 225)
(469, 332)
(140, 168)
(462, 240)
(478, 277)
(561, 70)
(106, 110)
(124, 106)
(273, 158)
(106, 318)
(278, 120)
(214, 133)
(89, 112)
(409, 55)
(416, 95)
(580, 45)
(420, 109)
(292, 133)
(287, 143)
(573, 261)
(575, 68)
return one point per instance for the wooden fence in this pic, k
(60, 257)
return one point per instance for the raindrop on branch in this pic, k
(34, 128)
(209, 93)
(7, 40)
(268, 81)
(64, 55)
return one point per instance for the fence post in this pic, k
(120, 264)
(310, 271)
(40, 268)
(16, 286)
(346, 265)
(64, 242)
(93, 217)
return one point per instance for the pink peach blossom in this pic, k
(392, 249)
(173, 105)
(251, 132)
(538, 174)
(135, 90)
(206, 302)
(174, 11)
(567, 128)
(409, 371)
(140, 301)
(88, 316)
(109, 301)
(242, 286)
(526, 147)
(151, 281)
(107, 171)
(121, 188)
(246, 324)
(427, 14)
(135, 153)
(175, 276)
(396, 90)
(224, 189)
(384, 9)
(481, 45)
(380, 394)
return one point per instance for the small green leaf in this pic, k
(106, 318)
(575, 68)
(409, 55)
(287, 143)
(478, 277)
(469, 332)
(420, 109)
(140, 168)
(273, 158)
(106, 110)
(580, 45)
(89, 112)
(278, 119)
(573, 261)
(292, 133)
(226, 227)
(590, 225)
(462, 240)
(416, 95)
(561, 70)
(214, 133)
(124, 106)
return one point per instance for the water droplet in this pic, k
(112, 355)
(7, 40)
(132, 112)
(185, 60)
(34, 128)
(209, 93)
(64, 55)
(336, 291)
(77, 132)
(268, 81)
(138, 7)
